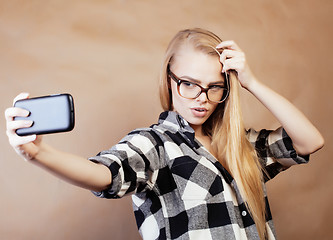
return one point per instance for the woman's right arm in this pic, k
(73, 169)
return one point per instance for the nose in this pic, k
(202, 97)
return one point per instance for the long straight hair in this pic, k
(225, 127)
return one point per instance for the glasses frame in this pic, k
(205, 90)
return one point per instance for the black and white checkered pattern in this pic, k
(179, 190)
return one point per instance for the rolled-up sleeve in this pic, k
(275, 150)
(132, 163)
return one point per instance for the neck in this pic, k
(205, 140)
(198, 130)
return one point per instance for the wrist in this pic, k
(42, 152)
(253, 85)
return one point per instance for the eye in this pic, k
(216, 87)
(188, 84)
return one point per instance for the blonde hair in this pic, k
(225, 127)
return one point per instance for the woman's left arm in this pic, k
(305, 136)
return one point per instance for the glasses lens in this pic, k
(189, 90)
(217, 94)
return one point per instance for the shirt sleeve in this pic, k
(132, 163)
(275, 151)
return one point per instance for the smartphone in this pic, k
(50, 114)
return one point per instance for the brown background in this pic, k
(107, 54)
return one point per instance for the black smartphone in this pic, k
(50, 114)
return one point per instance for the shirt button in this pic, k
(244, 213)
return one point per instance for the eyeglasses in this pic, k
(216, 93)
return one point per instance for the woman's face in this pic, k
(197, 67)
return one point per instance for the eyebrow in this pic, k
(199, 82)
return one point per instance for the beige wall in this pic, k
(107, 54)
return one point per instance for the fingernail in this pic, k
(26, 112)
(28, 123)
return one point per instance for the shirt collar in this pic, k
(176, 123)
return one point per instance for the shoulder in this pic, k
(144, 136)
(168, 129)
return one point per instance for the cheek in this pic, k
(179, 104)
(214, 106)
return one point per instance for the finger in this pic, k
(229, 44)
(21, 96)
(226, 54)
(233, 64)
(12, 126)
(12, 112)
(17, 141)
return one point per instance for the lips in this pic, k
(199, 111)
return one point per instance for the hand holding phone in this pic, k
(50, 114)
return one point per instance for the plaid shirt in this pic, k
(179, 190)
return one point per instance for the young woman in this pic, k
(197, 173)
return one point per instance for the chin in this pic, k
(197, 122)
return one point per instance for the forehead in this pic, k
(197, 64)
